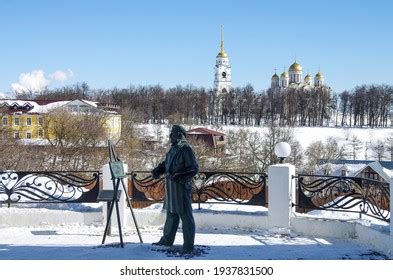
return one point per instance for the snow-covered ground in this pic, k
(66, 240)
(83, 242)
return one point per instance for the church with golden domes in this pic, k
(294, 78)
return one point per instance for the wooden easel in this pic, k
(117, 174)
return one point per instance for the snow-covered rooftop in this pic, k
(42, 107)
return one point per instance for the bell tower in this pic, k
(223, 77)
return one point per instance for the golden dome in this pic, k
(295, 67)
(222, 53)
(307, 78)
(319, 75)
(284, 75)
(275, 77)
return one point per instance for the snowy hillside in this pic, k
(366, 137)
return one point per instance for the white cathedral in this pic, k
(294, 78)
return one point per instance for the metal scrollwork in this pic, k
(229, 187)
(350, 194)
(245, 188)
(145, 188)
(27, 187)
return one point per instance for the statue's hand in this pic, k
(175, 177)
(155, 174)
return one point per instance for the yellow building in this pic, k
(29, 119)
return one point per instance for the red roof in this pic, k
(202, 130)
(45, 101)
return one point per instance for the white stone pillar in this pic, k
(108, 185)
(281, 194)
(391, 211)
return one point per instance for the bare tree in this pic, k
(379, 150)
(355, 146)
(296, 157)
(77, 139)
(344, 103)
(318, 150)
(367, 147)
(389, 141)
(254, 151)
(158, 133)
(206, 156)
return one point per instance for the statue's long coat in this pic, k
(179, 160)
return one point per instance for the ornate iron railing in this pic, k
(349, 194)
(215, 187)
(48, 186)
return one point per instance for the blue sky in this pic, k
(118, 43)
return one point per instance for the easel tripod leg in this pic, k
(107, 222)
(119, 223)
(132, 212)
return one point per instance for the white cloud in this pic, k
(3, 95)
(61, 76)
(35, 81)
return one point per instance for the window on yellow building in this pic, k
(28, 135)
(16, 135)
(40, 133)
(40, 121)
(16, 121)
(28, 121)
(5, 120)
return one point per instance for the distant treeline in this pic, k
(366, 105)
